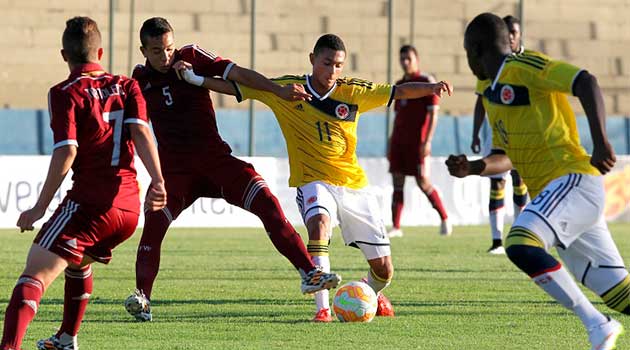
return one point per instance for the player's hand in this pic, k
(475, 146)
(603, 158)
(28, 218)
(443, 86)
(425, 149)
(458, 166)
(184, 71)
(156, 197)
(294, 92)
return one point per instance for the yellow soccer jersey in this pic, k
(532, 120)
(321, 134)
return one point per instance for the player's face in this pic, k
(515, 37)
(160, 52)
(409, 62)
(327, 67)
(474, 59)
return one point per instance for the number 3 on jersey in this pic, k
(167, 93)
(323, 128)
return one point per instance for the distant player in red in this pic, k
(410, 143)
(197, 162)
(95, 116)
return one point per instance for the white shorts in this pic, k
(357, 212)
(486, 147)
(569, 214)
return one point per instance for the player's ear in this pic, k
(143, 51)
(311, 58)
(99, 53)
(63, 55)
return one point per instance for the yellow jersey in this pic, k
(321, 134)
(532, 120)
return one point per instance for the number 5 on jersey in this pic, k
(167, 93)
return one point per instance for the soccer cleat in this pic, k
(395, 232)
(138, 306)
(323, 316)
(53, 343)
(604, 336)
(446, 228)
(384, 307)
(317, 280)
(496, 248)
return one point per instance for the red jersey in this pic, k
(91, 110)
(412, 116)
(182, 114)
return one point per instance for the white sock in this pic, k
(517, 211)
(377, 283)
(322, 297)
(561, 286)
(67, 339)
(496, 223)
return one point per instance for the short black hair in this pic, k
(408, 48)
(329, 41)
(81, 40)
(488, 31)
(154, 27)
(510, 21)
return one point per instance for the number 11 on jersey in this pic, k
(321, 130)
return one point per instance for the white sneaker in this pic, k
(497, 250)
(604, 336)
(446, 229)
(395, 232)
(138, 306)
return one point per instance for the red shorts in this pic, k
(224, 177)
(74, 231)
(406, 160)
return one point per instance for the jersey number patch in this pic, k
(117, 118)
(167, 93)
(321, 128)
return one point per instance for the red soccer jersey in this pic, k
(182, 114)
(412, 123)
(91, 110)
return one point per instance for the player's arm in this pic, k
(147, 151)
(60, 164)
(432, 114)
(495, 163)
(590, 95)
(413, 90)
(479, 115)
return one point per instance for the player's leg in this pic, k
(496, 210)
(42, 267)
(398, 202)
(423, 181)
(362, 227)
(556, 217)
(519, 195)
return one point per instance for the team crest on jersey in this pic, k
(342, 111)
(507, 94)
(311, 200)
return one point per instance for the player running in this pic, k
(534, 130)
(96, 119)
(196, 162)
(410, 144)
(321, 138)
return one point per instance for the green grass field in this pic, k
(229, 289)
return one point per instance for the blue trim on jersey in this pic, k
(329, 106)
(520, 98)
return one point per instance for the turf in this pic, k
(228, 289)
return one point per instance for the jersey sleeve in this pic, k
(481, 87)
(368, 95)
(61, 108)
(246, 93)
(556, 76)
(206, 63)
(433, 102)
(135, 106)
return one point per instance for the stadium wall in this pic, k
(465, 199)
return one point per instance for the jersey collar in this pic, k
(314, 93)
(86, 68)
(496, 79)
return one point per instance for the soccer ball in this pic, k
(355, 302)
(135, 304)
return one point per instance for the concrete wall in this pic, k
(594, 35)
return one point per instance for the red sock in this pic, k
(148, 257)
(77, 293)
(287, 241)
(397, 206)
(21, 311)
(436, 202)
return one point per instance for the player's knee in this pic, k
(384, 269)
(527, 251)
(497, 184)
(618, 297)
(425, 184)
